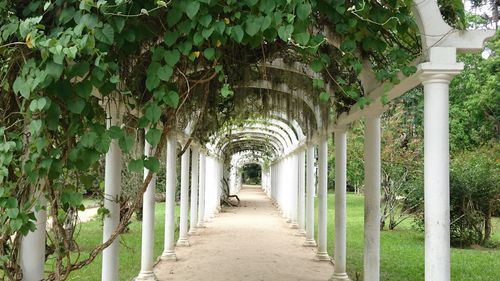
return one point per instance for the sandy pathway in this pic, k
(251, 242)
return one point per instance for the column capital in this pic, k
(340, 128)
(438, 72)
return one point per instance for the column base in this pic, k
(301, 232)
(322, 257)
(339, 277)
(288, 220)
(310, 243)
(182, 243)
(168, 256)
(192, 232)
(201, 225)
(294, 225)
(146, 276)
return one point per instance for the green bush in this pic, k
(474, 196)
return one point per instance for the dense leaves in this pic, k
(63, 64)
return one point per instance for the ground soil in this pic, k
(249, 242)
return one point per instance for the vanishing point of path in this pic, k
(251, 242)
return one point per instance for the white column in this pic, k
(322, 253)
(32, 252)
(294, 185)
(193, 221)
(301, 193)
(112, 190)
(372, 198)
(340, 205)
(436, 78)
(310, 186)
(148, 223)
(183, 227)
(201, 186)
(171, 175)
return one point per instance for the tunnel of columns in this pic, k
(277, 120)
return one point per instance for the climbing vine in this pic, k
(63, 63)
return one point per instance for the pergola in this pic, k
(285, 147)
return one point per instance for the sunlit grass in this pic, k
(90, 235)
(402, 250)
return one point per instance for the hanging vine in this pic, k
(60, 61)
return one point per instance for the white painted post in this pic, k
(201, 186)
(436, 77)
(340, 205)
(195, 159)
(148, 223)
(112, 190)
(171, 182)
(183, 227)
(310, 242)
(322, 254)
(294, 185)
(32, 252)
(372, 198)
(301, 193)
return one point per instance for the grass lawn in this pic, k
(90, 235)
(402, 250)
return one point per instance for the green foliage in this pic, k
(475, 190)
(63, 62)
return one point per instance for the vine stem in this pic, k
(126, 218)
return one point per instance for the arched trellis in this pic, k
(438, 66)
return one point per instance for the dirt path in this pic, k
(251, 242)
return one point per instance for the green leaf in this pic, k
(88, 139)
(174, 15)
(237, 33)
(106, 34)
(165, 72)
(185, 48)
(285, 32)
(152, 82)
(226, 91)
(54, 70)
(12, 213)
(75, 104)
(324, 96)
(266, 22)
(198, 38)
(348, 46)
(126, 143)
(220, 26)
(136, 165)
(302, 38)
(152, 113)
(115, 132)
(152, 164)
(170, 38)
(205, 20)
(192, 8)
(316, 65)
(318, 84)
(79, 69)
(209, 53)
(206, 33)
(153, 136)
(303, 11)
(252, 26)
(84, 89)
(172, 99)
(172, 57)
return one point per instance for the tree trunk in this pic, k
(487, 226)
